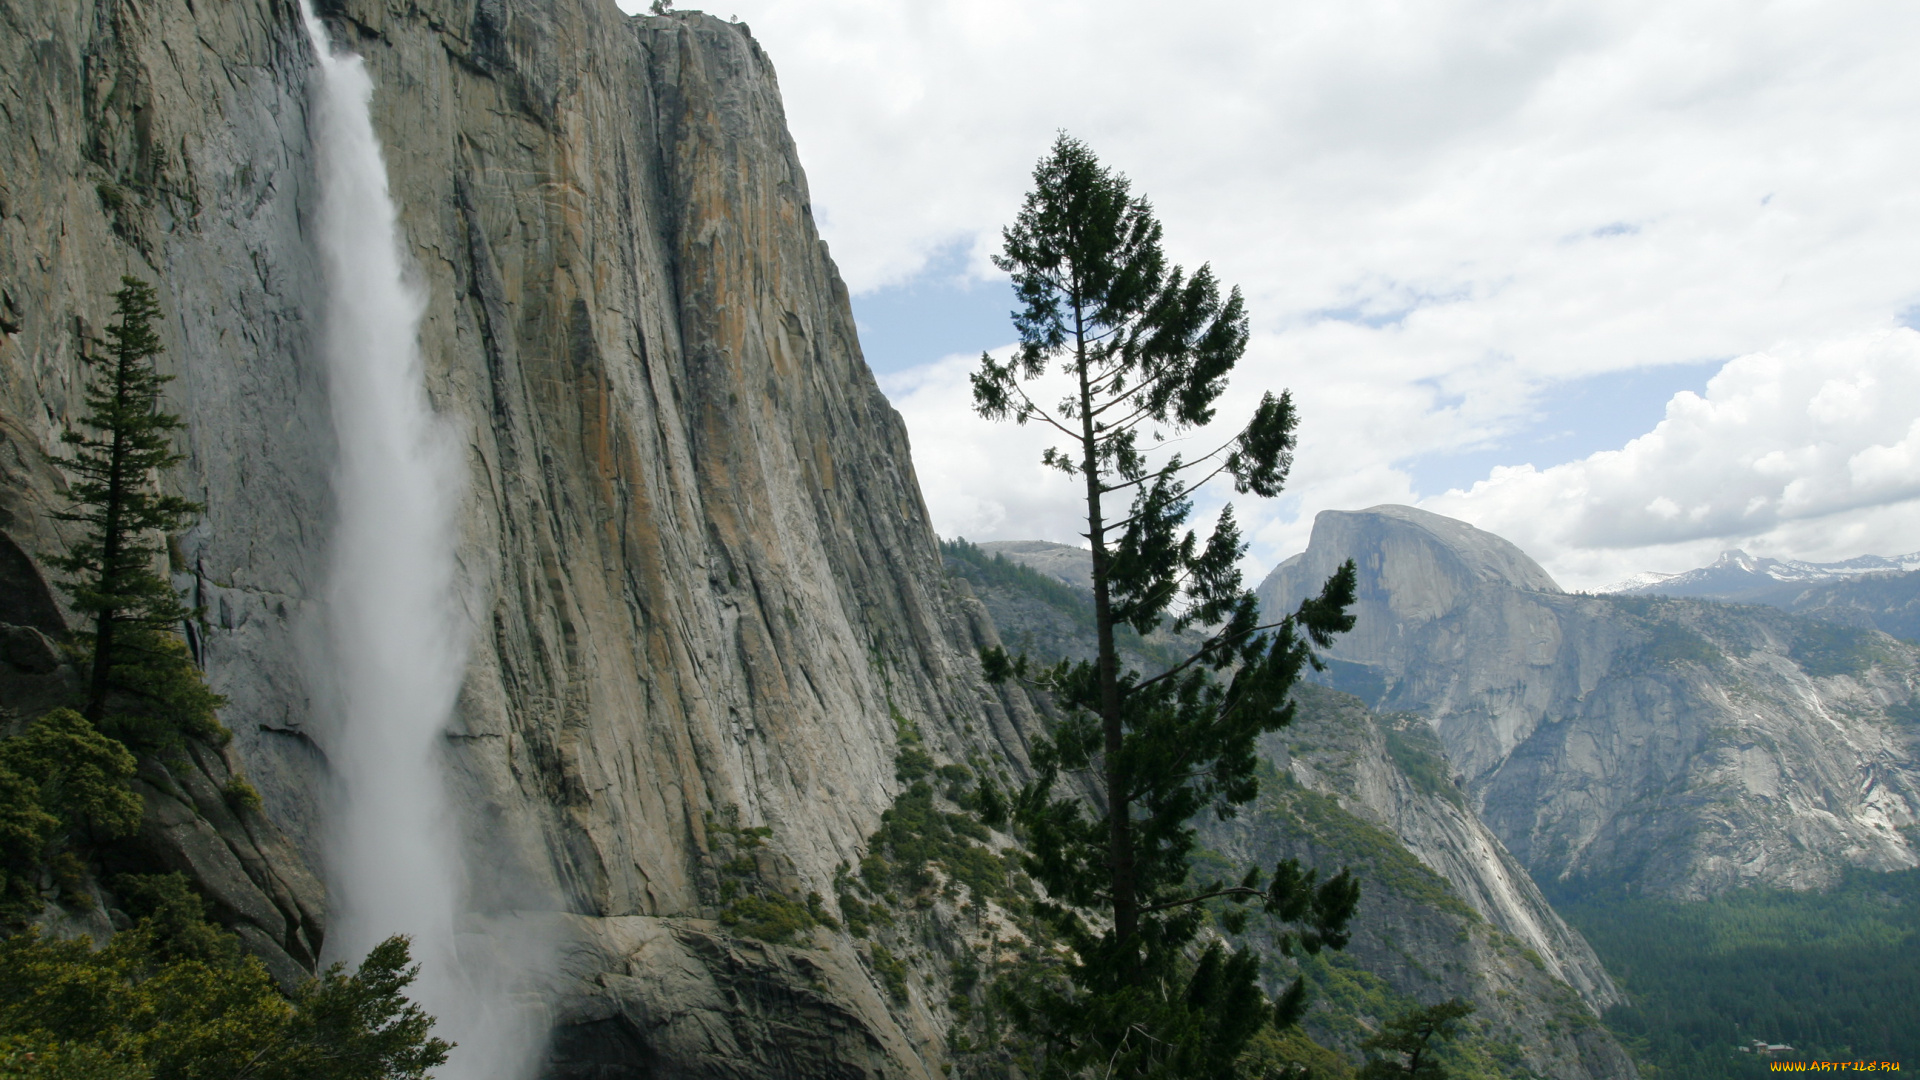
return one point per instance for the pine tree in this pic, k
(1412, 1036)
(138, 667)
(1148, 351)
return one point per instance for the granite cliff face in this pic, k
(1680, 746)
(698, 575)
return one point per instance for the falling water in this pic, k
(393, 653)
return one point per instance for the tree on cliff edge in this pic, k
(1147, 351)
(137, 664)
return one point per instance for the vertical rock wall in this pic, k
(699, 576)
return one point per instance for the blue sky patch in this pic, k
(939, 313)
(1572, 419)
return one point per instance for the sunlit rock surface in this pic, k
(698, 574)
(1679, 746)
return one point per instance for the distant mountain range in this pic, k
(1870, 592)
(1736, 575)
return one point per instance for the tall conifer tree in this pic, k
(1146, 351)
(114, 567)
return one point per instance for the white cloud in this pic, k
(981, 480)
(1438, 210)
(1805, 451)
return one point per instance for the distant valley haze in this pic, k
(1630, 284)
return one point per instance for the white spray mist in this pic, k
(394, 652)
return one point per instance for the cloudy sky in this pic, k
(1626, 282)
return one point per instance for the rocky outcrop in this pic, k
(1386, 770)
(1070, 565)
(1048, 621)
(255, 883)
(697, 571)
(1680, 746)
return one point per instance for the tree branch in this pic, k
(1237, 890)
(1200, 653)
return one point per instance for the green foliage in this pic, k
(1835, 974)
(912, 761)
(916, 836)
(981, 568)
(113, 576)
(922, 854)
(175, 997)
(1148, 351)
(1288, 810)
(62, 783)
(159, 695)
(1416, 750)
(771, 917)
(1274, 1054)
(1407, 1044)
(751, 907)
(1824, 648)
(860, 916)
(891, 969)
(991, 571)
(26, 830)
(1669, 643)
(1354, 1004)
(241, 797)
(348, 1027)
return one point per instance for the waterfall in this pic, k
(394, 653)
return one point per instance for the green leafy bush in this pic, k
(770, 917)
(915, 836)
(175, 996)
(240, 796)
(751, 907)
(891, 969)
(62, 784)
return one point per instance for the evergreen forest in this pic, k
(1835, 975)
